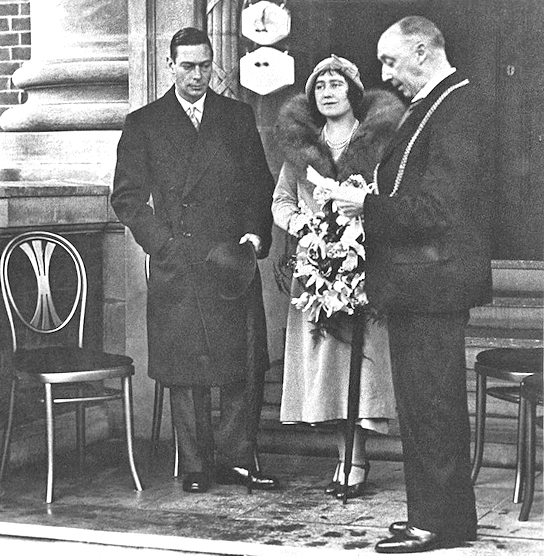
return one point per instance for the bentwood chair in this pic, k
(44, 288)
(531, 397)
(511, 365)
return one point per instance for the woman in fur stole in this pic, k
(340, 130)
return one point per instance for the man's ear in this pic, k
(421, 52)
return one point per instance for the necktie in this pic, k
(192, 117)
(409, 110)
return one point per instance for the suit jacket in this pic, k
(206, 187)
(428, 245)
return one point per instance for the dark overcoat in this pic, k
(207, 187)
(428, 245)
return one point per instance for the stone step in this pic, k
(510, 312)
(518, 276)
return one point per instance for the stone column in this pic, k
(77, 77)
(222, 17)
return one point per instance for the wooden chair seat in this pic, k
(70, 364)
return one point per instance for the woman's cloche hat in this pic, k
(232, 266)
(334, 62)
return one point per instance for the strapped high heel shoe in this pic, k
(330, 489)
(357, 490)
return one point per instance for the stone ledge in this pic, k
(52, 203)
(50, 188)
(74, 156)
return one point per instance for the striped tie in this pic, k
(192, 117)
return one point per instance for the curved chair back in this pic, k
(57, 294)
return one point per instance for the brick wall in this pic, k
(14, 48)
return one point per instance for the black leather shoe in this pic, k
(412, 540)
(245, 477)
(448, 538)
(196, 482)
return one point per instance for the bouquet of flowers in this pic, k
(330, 264)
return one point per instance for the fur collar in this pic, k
(297, 134)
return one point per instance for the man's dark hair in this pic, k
(355, 98)
(189, 36)
(415, 25)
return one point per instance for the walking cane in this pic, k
(357, 345)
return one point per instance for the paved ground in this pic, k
(98, 512)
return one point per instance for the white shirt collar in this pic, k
(198, 105)
(431, 84)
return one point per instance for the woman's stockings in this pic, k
(358, 470)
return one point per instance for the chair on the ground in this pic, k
(511, 365)
(44, 289)
(531, 396)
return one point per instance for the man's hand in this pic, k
(255, 240)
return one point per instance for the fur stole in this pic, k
(297, 133)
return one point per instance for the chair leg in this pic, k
(481, 385)
(176, 452)
(127, 405)
(49, 491)
(80, 431)
(176, 445)
(7, 429)
(529, 416)
(157, 418)
(521, 476)
(256, 461)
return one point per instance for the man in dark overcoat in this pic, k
(428, 264)
(192, 175)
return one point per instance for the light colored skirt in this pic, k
(316, 376)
